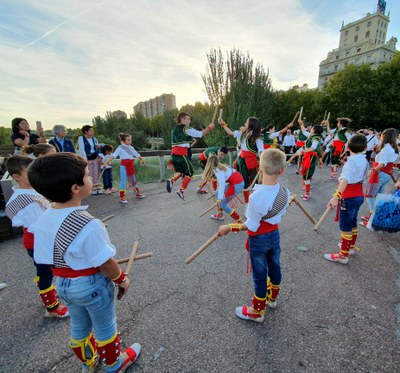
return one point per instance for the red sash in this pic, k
(234, 179)
(71, 273)
(387, 169)
(338, 145)
(250, 159)
(27, 239)
(179, 150)
(129, 165)
(307, 162)
(353, 190)
(267, 146)
(299, 144)
(263, 228)
(202, 157)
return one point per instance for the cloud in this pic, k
(64, 64)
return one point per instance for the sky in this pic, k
(66, 61)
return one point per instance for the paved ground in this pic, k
(330, 318)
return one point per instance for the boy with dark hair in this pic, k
(78, 247)
(181, 137)
(349, 197)
(23, 208)
(267, 205)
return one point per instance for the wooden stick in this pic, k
(220, 113)
(301, 112)
(209, 209)
(329, 114)
(215, 114)
(324, 115)
(107, 218)
(323, 217)
(254, 181)
(295, 117)
(211, 196)
(201, 249)
(132, 257)
(210, 190)
(302, 208)
(135, 246)
(394, 180)
(137, 257)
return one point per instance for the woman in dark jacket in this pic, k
(60, 142)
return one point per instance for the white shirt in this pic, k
(288, 140)
(372, 140)
(386, 155)
(193, 133)
(222, 177)
(125, 152)
(260, 202)
(105, 158)
(29, 214)
(336, 137)
(260, 144)
(355, 169)
(90, 248)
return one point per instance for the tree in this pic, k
(242, 89)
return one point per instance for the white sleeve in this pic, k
(81, 147)
(237, 134)
(314, 144)
(193, 132)
(346, 171)
(28, 215)
(117, 152)
(306, 133)
(274, 135)
(135, 153)
(220, 175)
(260, 146)
(253, 216)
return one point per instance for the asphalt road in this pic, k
(330, 317)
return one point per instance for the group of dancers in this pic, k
(67, 242)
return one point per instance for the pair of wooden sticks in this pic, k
(215, 236)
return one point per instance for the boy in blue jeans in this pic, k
(349, 197)
(267, 205)
(79, 249)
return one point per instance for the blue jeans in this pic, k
(91, 304)
(124, 178)
(265, 254)
(107, 178)
(384, 178)
(225, 201)
(348, 217)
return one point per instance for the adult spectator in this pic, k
(289, 142)
(60, 142)
(22, 135)
(88, 148)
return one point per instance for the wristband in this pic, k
(209, 128)
(337, 194)
(235, 227)
(223, 124)
(121, 278)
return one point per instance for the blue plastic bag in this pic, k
(386, 214)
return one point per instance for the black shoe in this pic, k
(169, 185)
(180, 194)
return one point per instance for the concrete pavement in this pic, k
(329, 318)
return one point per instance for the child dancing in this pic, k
(230, 184)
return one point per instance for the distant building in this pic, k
(362, 41)
(156, 105)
